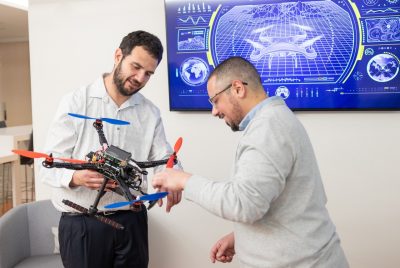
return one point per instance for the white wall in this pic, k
(15, 87)
(72, 42)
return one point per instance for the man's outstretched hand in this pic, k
(172, 181)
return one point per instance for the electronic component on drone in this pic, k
(117, 156)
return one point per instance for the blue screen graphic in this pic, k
(317, 55)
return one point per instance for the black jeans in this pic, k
(86, 242)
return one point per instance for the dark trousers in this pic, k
(86, 242)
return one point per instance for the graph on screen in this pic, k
(317, 55)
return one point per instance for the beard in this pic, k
(119, 82)
(237, 115)
(234, 127)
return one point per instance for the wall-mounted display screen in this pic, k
(317, 55)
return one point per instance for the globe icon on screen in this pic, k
(283, 92)
(194, 71)
(383, 67)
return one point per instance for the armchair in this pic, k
(26, 237)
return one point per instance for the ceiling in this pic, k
(13, 24)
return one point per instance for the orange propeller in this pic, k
(177, 147)
(31, 154)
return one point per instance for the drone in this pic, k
(116, 165)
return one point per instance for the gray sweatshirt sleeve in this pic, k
(263, 161)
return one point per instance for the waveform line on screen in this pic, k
(192, 19)
(383, 11)
(275, 80)
(366, 93)
(336, 89)
(192, 95)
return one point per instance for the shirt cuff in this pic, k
(66, 179)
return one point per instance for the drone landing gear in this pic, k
(99, 217)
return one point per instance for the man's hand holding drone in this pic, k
(90, 179)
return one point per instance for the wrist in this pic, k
(184, 180)
(73, 183)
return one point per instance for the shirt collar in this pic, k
(98, 90)
(250, 115)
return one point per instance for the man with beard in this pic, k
(275, 196)
(85, 241)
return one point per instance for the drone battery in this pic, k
(117, 155)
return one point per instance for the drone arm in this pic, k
(93, 208)
(150, 164)
(123, 186)
(90, 166)
(98, 125)
(102, 138)
(117, 190)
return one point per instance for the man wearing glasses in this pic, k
(275, 195)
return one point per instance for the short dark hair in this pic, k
(148, 41)
(237, 68)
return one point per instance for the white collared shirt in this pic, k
(72, 137)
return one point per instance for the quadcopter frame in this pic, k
(115, 164)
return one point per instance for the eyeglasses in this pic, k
(211, 100)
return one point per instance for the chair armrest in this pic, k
(14, 237)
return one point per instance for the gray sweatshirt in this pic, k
(275, 196)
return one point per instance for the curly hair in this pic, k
(148, 41)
